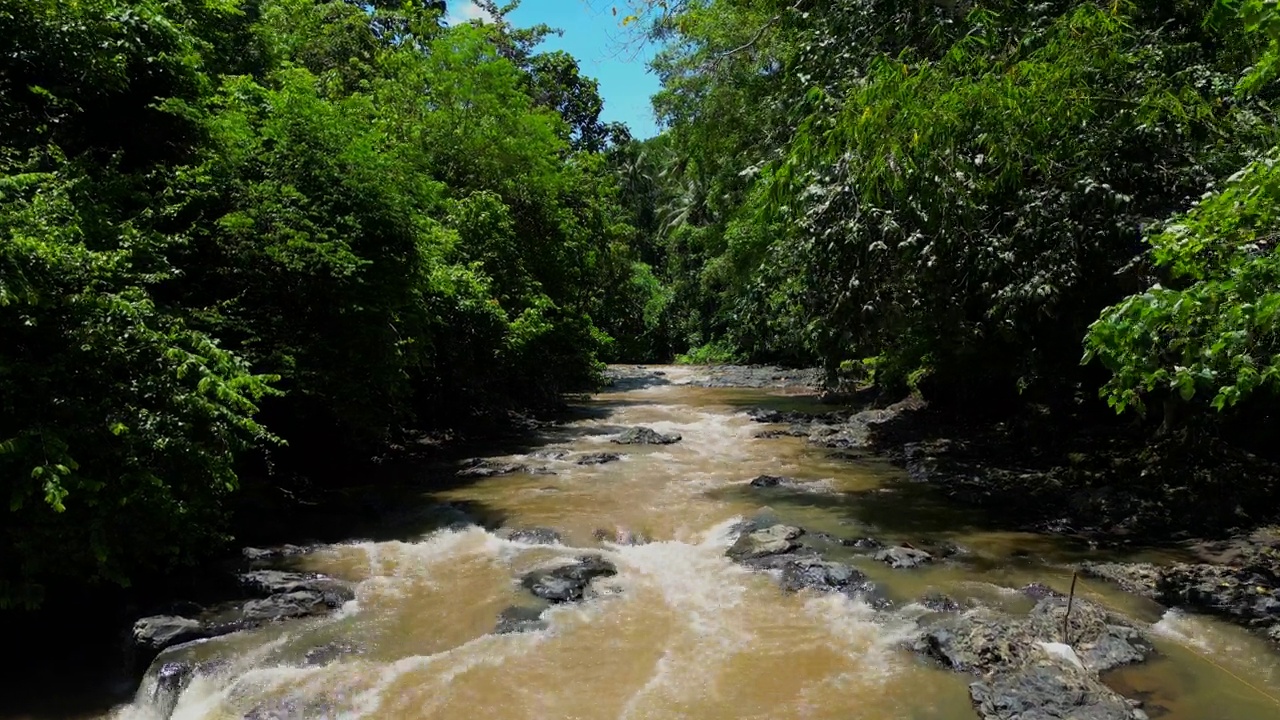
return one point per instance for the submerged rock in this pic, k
(531, 536)
(939, 603)
(568, 583)
(903, 557)
(330, 652)
(772, 540)
(771, 481)
(645, 436)
(597, 458)
(516, 619)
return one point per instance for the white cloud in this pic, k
(468, 11)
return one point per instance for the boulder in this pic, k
(516, 619)
(903, 557)
(531, 536)
(645, 436)
(813, 574)
(155, 633)
(772, 540)
(597, 458)
(567, 583)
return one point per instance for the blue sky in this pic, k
(593, 36)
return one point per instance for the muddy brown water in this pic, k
(680, 632)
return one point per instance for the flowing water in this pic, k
(680, 632)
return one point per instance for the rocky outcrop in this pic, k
(645, 436)
(597, 458)
(567, 583)
(1247, 594)
(285, 596)
(1027, 671)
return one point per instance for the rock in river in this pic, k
(153, 634)
(772, 540)
(645, 436)
(567, 583)
(597, 458)
(1027, 672)
(903, 557)
(531, 536)
(516, 619)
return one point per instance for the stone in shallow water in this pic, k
(645, 436)
(772, 540)
(903, 557)
(1048, 689)
(567, 583)
(516, 619)
(162, 631)
(597, 458)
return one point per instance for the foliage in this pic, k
(1206, 332)
(278, 230)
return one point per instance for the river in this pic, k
(680, 631)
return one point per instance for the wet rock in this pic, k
(771, 481)
(864, 543)
(333, 592)
(985, 640)
(597, 458)
(285, 606)
(1249, 595)
(567, 583)
(531, 536)
(903, 557)
(1046, 690)
(813, 574)
(937, 602)
(772, 540)
(1039, 591)
(171, 679)
(792, 431)
(1102, 640)
(330, 652)
(1137, 578)
(483, 468)
(153, 634)
(516, 619)
(253, 554)
(645, 436)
